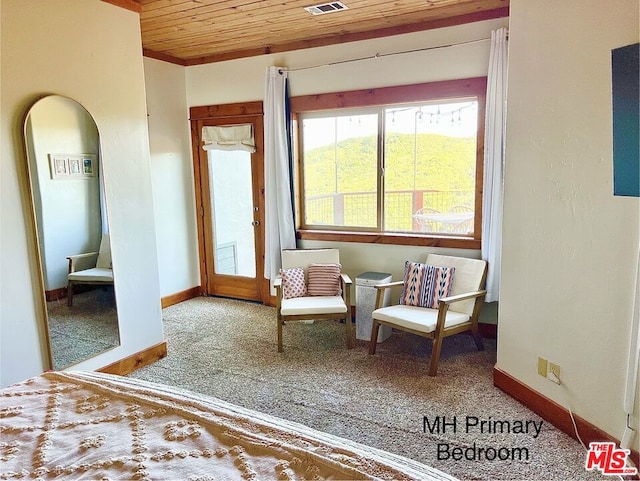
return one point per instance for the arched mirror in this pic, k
(74, 252)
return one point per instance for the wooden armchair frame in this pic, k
(87, 262)
(440, 331)
(345, 283)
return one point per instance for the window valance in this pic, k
(229, 137)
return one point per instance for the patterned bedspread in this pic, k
(86, 425)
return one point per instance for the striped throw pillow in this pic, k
(324, 280)
(293, 283)
(425, 285)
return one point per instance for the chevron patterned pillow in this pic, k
(424, 285)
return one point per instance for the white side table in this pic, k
(366, 303)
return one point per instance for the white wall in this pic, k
(243, 80)
(172, 177)
(570, 246)
(89, 51)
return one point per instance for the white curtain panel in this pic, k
(494, 144)
(279, 224)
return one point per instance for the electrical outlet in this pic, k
(542, 367)
(549, 370)
(554, 372)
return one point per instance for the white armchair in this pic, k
(457, 312)
(306, 304)
(90, 268)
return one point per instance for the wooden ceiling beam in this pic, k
(133, 5)
(163, 56)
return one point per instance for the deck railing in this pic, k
(358, 209)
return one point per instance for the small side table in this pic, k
(366, 302)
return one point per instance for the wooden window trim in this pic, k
(389, 238)
(447, 89)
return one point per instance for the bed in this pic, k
(88, 425)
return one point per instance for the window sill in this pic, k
(392, 239)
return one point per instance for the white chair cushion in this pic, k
(466, 278)
(420, 319)
(313, 305)
(96, 274)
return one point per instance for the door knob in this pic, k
(255, 223)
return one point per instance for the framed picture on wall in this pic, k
(83, 166)
(625, 71)
(74, 166)
(59, 166)
(87, 166)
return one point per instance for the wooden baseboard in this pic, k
(56, 294)
(137, 360)
(490, 331)
(181, 296)
(551, 411)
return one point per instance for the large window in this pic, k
(408, 167)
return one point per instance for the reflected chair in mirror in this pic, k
(440, 298)
(90, 268)
(311, 286)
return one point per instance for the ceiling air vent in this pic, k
(326, 8)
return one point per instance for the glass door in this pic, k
(230, 201)
(233, 210)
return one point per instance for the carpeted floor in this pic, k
(227, 349)
(84, 330)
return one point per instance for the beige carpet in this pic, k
(227, 349)
(84, 330)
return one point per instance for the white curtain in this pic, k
(494, 145)
(279, 224)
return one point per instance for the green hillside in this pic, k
(441, 163)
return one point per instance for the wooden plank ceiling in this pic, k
(191, 32)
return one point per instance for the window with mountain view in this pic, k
(340, 163)
(401, 169)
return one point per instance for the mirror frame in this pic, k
(31, 177)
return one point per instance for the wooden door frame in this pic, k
(199, 116)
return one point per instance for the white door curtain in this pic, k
(494, 144)
(279, 222)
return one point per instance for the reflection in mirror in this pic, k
(65, 172)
